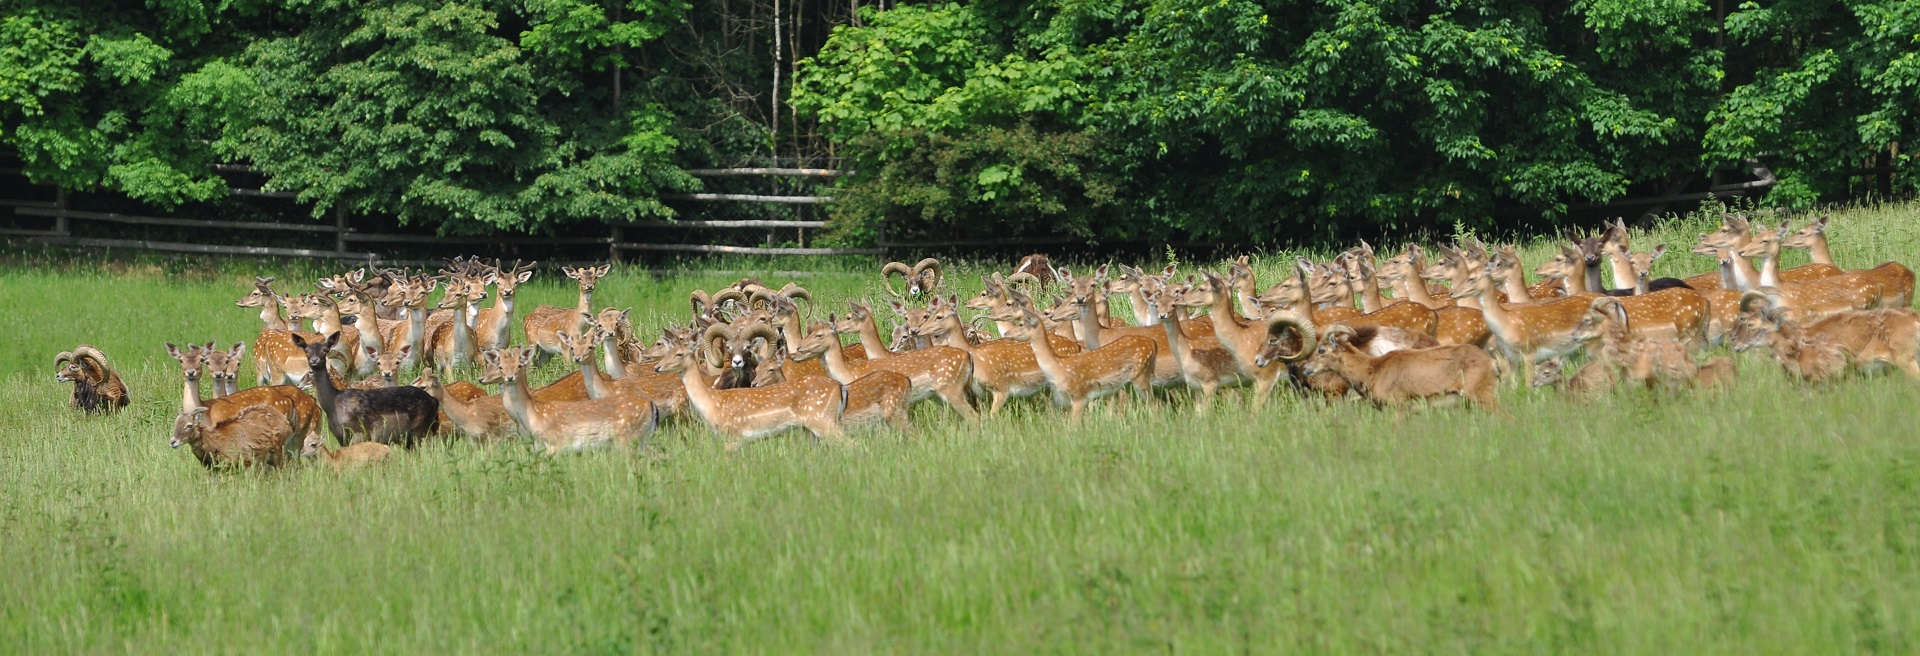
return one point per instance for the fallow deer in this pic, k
(621, 419)
(255, 436)
(1002, 369)
(493, 328)
(1090, 374)
(545, 323)
(483, 417)
(1204, 363)
(813, 403)
(941, 371)
(1676, 312)
(302, 412)
(386, 415)
(1400, 377)
(1823, 349)
(1525, 333)
(347, 457)
(1245, 338)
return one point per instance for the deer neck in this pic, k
(835, 359)
(1088, 326)
(328, 321)
(1247, 292)
(519, 403)
(590, 377)
(416, 328)
(1623, 272)
(870, 338)
(462, 334)
(323, 389)
(1370, 299)
(1144, 312)
(1817, 249)
(370, 330)
(1043, 353)
(1498, 320)
(1577, 282)
(1176, 335)
(270, 316)
(1515, 283)
(190, 395)
(957, 334)
(700, 392)
(1769, 268)
(610, 358)
(1240, 339)
(1591, 274)
(1741, 272)
(1415, 289)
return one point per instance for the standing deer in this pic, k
(387, 415)
(545, 323)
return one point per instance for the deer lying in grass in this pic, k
(96, 386)
(347, 457)
(255, 436)
(394, 414)
(1823, 350)
(1090, 374)
(1414, 374)
(813, 403)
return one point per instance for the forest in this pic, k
(1229, 120)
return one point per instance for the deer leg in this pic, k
(999, 401)
(956, 396)
(1207, 390)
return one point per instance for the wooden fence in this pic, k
(349, 243)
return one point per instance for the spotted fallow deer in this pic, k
(1823, 349)
(1244, 337)
(1002, 369)
(1896, 281)
(1525, 333)
(327, 321)
(224, 368)
(450, 343)
(942, 371)
(410, 295)
(1637, 359)
(813, 403)
(482, 418)
(268, 301)
(545, 323)
(1205, 364)
(622, 420)
(1676, 312)
(493, 328)
(1084, 292)
(1090, 374)
(1890, 284)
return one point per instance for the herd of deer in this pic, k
(750, 362)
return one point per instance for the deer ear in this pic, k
(1659, 251)
(173, 351)
(523, 277)
(297, 340)
(371, 353)
(405, 348)
(333, 339)
(237, 350)
(898, 308)
(1100, 273)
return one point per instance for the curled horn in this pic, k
(700, 300)
(1302, 329)
(63, 357)
(794, 290)
(758, 330)
(85, 351)
(922, 267)
(887, 271)
(718, 331)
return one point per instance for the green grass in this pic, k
(1772, 518)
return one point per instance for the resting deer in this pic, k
(1399, 377)
(813, 403)
(622, 419)
(1823, 349)
(302, 412)
(348, 457)
(255, 436)
(1090, 374)
(545, 323)
(386, 415)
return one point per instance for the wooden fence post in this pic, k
(340, 229)
(614, 237)
(60, 220)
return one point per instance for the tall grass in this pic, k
(1771, 518)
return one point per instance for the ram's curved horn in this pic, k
(1752, 296)
(887, 271)
(719, 331)
(700, 300)
(1023, 277)
(921, 268)
(1301, 328)
(63, 357)
(794, 290)
(758, 329)
(85, 351)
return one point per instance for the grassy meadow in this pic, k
(1771, 518)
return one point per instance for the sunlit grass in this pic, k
(1771, 518)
